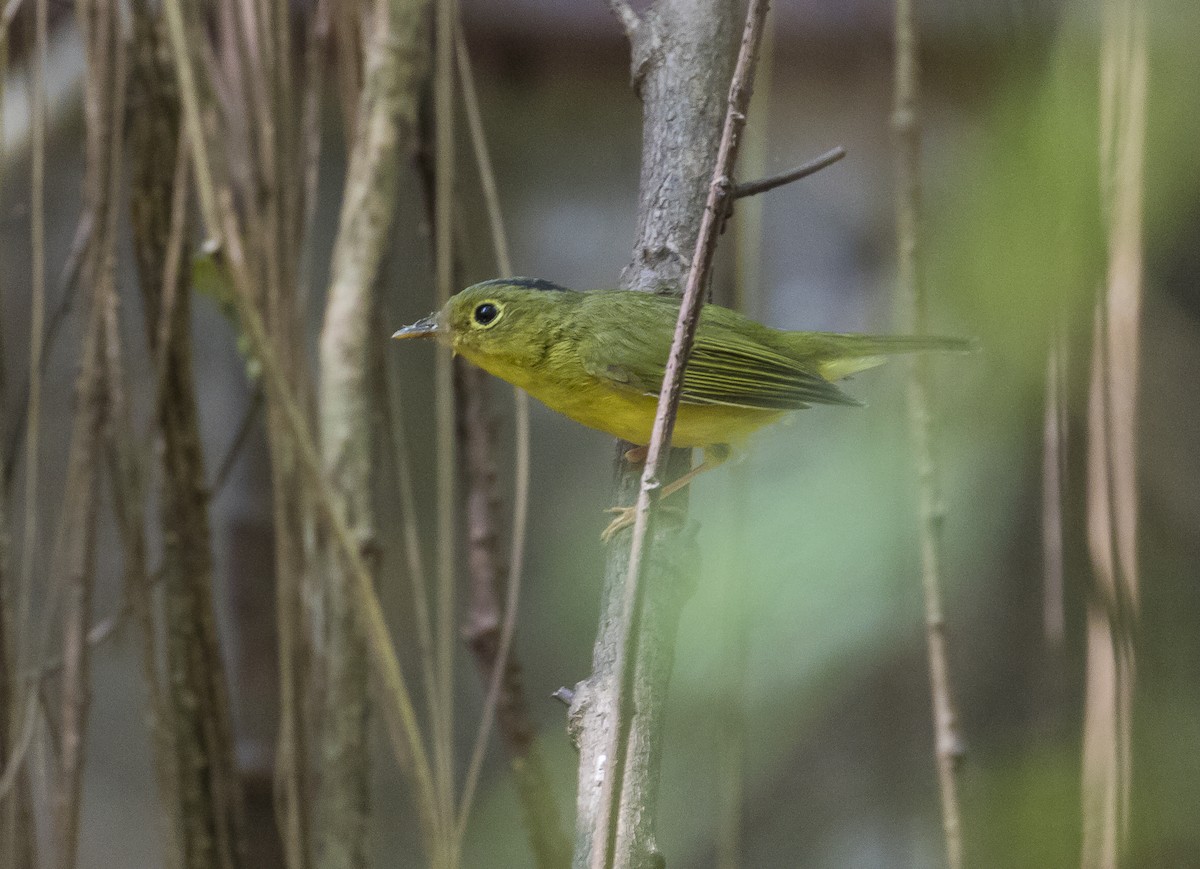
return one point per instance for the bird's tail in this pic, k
(842, 355)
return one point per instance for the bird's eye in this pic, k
(485, 313)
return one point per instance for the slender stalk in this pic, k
(444, 635)
(738, 598)
(763, 185)
(20, 724)
(67, 284)
(415, 563)
(17, 850)
(80, 511)
(104, 102)
(505, 697)
(906, 128)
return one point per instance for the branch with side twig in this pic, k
(609, 841)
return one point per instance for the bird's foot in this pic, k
(637, 455)
(625, 517)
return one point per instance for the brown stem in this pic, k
(445, 619)
(79, 527)
(15, 819)
(104, 102)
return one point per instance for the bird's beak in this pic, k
(426, 327)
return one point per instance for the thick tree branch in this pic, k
(617, 783)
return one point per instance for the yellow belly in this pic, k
(630, 416)
(627, 414)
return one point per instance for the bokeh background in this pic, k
(801, 655)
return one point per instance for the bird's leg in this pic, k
(715, 455)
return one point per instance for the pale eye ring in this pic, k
(486, 313)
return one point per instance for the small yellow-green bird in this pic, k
(599, 358)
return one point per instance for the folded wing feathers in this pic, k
(749, 375)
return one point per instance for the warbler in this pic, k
(599, 358)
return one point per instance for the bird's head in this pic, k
(496, 324)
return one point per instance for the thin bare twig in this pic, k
(68, 281)
(444, 635)
(393, 406)
(240, 439)
(80, 510)
(753, 188)
(104, 103)
(20, 723)
(606, 831)
(906, 128)
(738, 588)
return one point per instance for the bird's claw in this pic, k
(624, 519)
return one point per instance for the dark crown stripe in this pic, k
(527, 283)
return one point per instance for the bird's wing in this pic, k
(725, 368)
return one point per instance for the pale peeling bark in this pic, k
(683, 58)
(397, 66)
